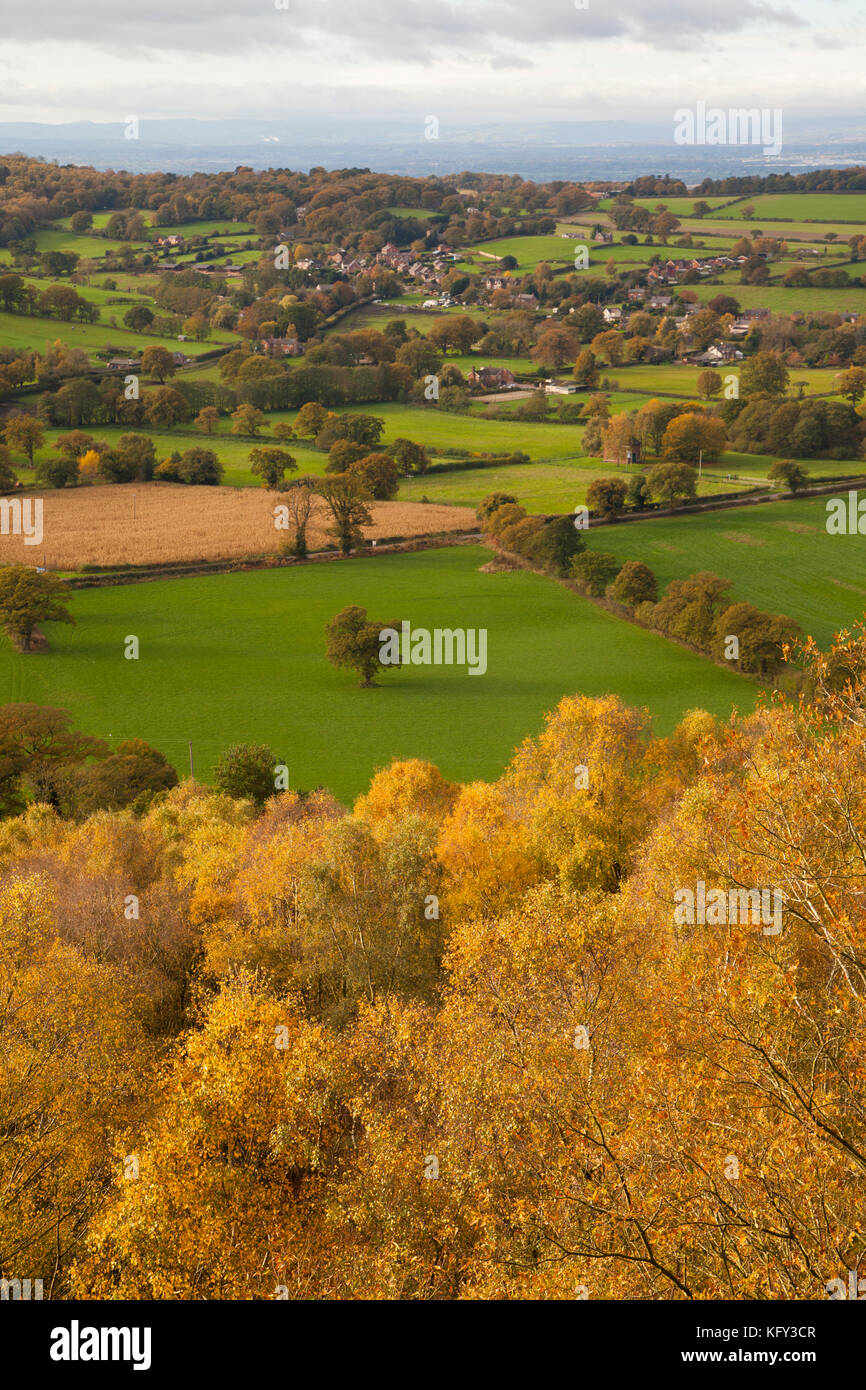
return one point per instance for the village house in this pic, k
(496, 282)
(490, 379)
(174, 240)
(123, 364)
(281, 347)
(612, 313)
(715, 355)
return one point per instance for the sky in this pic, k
(463, 61)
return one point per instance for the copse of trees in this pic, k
(42, 759)
(195, 466)
(548, 544)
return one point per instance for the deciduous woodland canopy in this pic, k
(233, 1041)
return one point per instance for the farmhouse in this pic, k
(491, 379)
(282, 347)
(718, 353)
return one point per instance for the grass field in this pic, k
(781, 300)
(802, 207)
(680, 206)
(232, 452)
(241, 657)
(27, 331)
(779, 556)
(85, 246)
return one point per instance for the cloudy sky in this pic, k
(464, 60)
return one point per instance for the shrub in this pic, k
(635, 584)
(594, 570)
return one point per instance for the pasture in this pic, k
(778, 555)
(241, 657)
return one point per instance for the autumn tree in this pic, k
(272, 465)
(355, 641)
(157, 362)
(299, 501)
(594, 570)
(789, 472)
(346, 499)
(673, 484)
(691, 435)
(24, 433)
(207, 419)
(635, 584)
(248, 419)
(27, 598)
(607, 496)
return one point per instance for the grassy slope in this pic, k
(241, 657)
(27, 331)
(779, 556)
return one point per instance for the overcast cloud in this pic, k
(462, 59)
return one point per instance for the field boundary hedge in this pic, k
(141, 574)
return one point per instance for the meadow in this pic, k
(241, 658)
(778, 555)
(33, 333)
(801, 207)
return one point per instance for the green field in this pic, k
(781, 300)
(232, 452)
(679, 205)
(802, 207)
(779, 556)
(240, 657)
(27, 331)
(88, 247)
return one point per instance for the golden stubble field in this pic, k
(153, 523)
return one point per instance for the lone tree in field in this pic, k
(790, 473)
(28, 598)
(272, 465)
(346, 499)
(354, 641)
